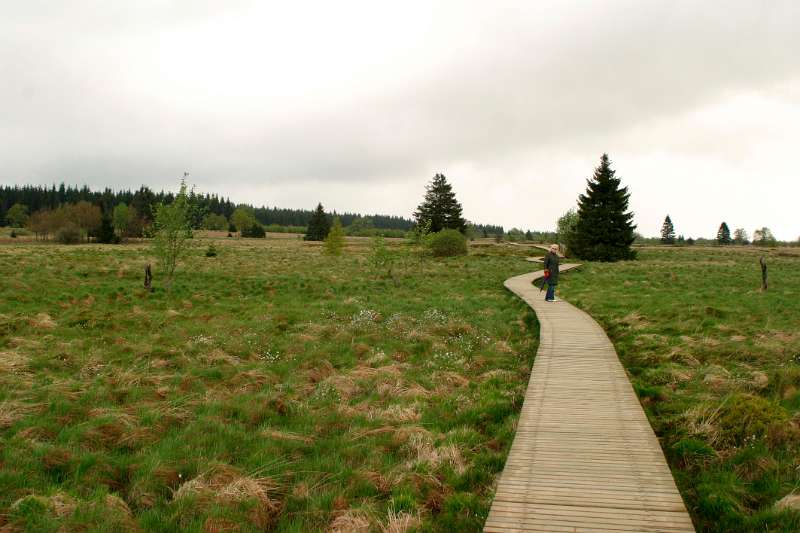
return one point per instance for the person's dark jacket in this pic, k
(551, 264)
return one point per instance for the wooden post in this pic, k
(763, 273)
(148, 278)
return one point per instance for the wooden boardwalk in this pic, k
(584, 458)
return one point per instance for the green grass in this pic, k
(716, 364)
(274, 387)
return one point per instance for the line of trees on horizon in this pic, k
(761, 236)
(21, 205)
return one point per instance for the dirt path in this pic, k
(584, 458)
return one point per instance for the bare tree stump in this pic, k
(148, 278)
(763, 263)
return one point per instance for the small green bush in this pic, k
(447, 243)
(69, 234)
(256, 231)
(211, 251)
(744, 419)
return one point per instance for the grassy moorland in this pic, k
(716, 363)
(273, 387)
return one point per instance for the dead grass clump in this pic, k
(423, 450)
(790, 501)
(499, 373)
(400, 522)
(635, 320)
(286, 435)
(12, 362)
(11, 411)
(250, 380)
(351, 521)
(320, 371)
(119, 429)
(503, 347)
(759, 380)
(344, 384)
(367, 372)
(218, 356)
(224, 484)
(395, 413)
(451, 379)
(394, 387)
(360, 349)
(360, 434)
(218, 524)
(404, 433)
(60, 504)
(42, 321)
(382, 484)
(716, 377)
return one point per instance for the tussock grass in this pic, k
(716, 364)
(272, 388)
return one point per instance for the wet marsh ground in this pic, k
(716, 364)
(273, 388)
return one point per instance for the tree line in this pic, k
(48, 208)
(761, 236)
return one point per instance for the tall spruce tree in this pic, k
(723, 234)
(604, 230)
(668, 231)
(318, 226)
(440, 207)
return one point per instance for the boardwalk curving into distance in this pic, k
(584, 458)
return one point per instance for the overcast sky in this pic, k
(359, 104)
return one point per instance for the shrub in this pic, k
(255, 231)
(744, 419)
(334, 242)
(68, 234)
(13, 234)
(173, 229)
(211, 251)
(447, 243)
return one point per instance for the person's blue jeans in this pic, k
(551, 292)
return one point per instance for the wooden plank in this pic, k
(584, 457)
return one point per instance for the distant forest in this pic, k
(37, 198)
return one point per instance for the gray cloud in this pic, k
(260, 99)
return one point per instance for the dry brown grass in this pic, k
(42, 321)
(423, 450)
(11, 411)
(400, 522)
(351, 521)
(395, 413)
(218, 356)
(286, 435)
(224, 484)
(499, 373)
(450, 379)
(60, 504)
(12, 362)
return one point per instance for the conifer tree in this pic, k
(106, 233)
(334, 242)
(668, 231)
(723, 234)
(440, 207)
(318, 226)
(604, 230)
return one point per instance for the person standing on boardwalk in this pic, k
(551, 273)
